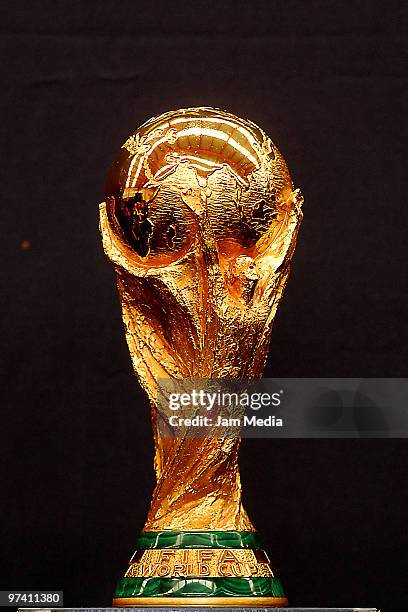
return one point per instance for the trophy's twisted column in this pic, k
(200, 222)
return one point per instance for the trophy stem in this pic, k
(198, 486)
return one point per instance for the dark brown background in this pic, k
(328, 82)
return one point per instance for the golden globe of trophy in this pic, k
(200, 223)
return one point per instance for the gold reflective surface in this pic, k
(200, 223)
(202, 602)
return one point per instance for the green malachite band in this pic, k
(198, 539)
(219, 586)
(199, 587)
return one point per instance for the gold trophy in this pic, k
(200, 223)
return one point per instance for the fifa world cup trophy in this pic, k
(200, 222)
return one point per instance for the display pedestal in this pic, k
(198, 609)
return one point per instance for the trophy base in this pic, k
(202, 602)
(205, 568)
